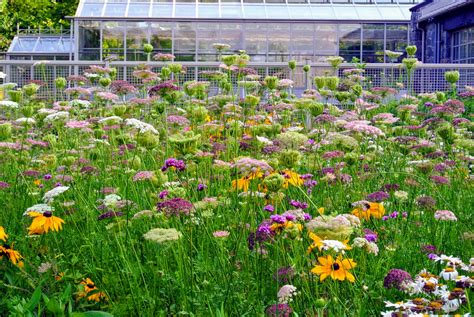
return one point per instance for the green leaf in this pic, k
(54, 307)
(34, 300)
(92, 313)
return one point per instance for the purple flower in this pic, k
(278, 310)
(269, 208)
(394, 214)
(298, 204)
(307, 217)
(370, 235)
(439, 180)
(163, 194)
(385, 218)
(47, 176)
(284, 274)
(396, 278)
(426, 202)
(278, 218)
(175, 207)
(110, 214)
(172, 162)
(432, 256)
(390, 187)
(428, 248)
(201, 187)
(377, 196)
(4, 185)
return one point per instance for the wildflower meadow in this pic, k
(236, 195)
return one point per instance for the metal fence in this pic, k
(425, 78)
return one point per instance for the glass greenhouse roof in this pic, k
(53, 45)
(331, 10)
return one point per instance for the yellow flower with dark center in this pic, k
(3, 235)
(292, 178)
(375, 210)
(13, 255)
(337, 269)
(244, 182)
(88, 286)
(44, 222)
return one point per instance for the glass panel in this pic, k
(300, 12)
(46, 45)
(346, 13)
(231, 33)
(208, 1)
(231, 11)
(161, 37)
(275, 1)
(185, 11)
(115, 10)
(298, 1)
(26, 44)
(277, 12)
(323, 13)
(137, 36)
(208, 11)
(89, 40)
(138, 9)
(368, 13)
(113, 39)
(279, 43)
(162, 10)
(302, 44)
(256, 41)
(253, 1)
(254, 12)
(391, 13)
(326, 39)
(207, 34)
(184, 41)
(92, 10)
(373, 43)
(349, 41)
(397, 38)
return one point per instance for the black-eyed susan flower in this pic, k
(3, 234)
(44, 222)
(337, 269)
(13, 255)
(90, 291)
(375, 210)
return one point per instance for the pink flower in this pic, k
(445, 215)
(77, 124)
(221, 234)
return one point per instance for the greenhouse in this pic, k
(270, 31)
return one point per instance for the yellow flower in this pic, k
(337, 269)
(292, 178)
(13, 255)
(37, 182)
(87, 287)
(43, 222)
(3, 235)
(241, 184)
(375, 210)
(321, 244)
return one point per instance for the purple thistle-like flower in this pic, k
(426, 202)
(298, 204)
(269, 208)
(396, 278)
(201, 187)
(390, 187)
(278, 218)
(110, 214)
(163, 194)
(175, 207)
(377, 196)
(4, 185)
(370, 235)
(439, 180)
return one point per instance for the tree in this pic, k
(45, 14)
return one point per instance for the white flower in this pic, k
(3, 75)
(141, 126)
(399, 305)
(26, 120)
(294, 129)
(451, 260)
(111, 200)
(9, 104)
(79, 103)
(50, 195)
(335, 245)
(451, 305)
(286, 293)
(111, 120)
(264, 140)
(46, 111)
(41, 208)
(401, 195)
(449, 274)
(61, 115)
